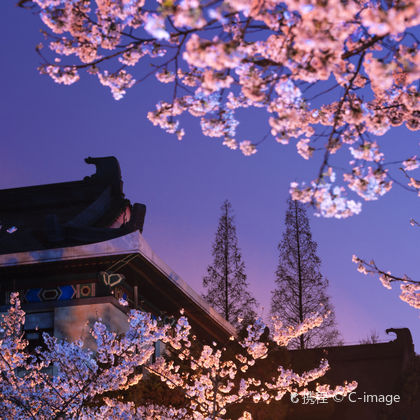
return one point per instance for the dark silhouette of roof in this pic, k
(68, 213)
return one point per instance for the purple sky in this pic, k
(47, 131)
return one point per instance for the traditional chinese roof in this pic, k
(58, 238)
(68, 213)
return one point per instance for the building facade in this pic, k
(73, 249)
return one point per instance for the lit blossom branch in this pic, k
(223, 56)
(410, 289)
(214, 382)
(414, 183)
(80, 377)
(81, 381)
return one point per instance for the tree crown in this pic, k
(301, 289)
(362, 58)
(226, 284)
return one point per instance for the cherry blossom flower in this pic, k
(247, 148)
(411, 163)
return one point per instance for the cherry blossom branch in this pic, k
(266, 55)
(410, 289)
(375, 39)
(337, 120)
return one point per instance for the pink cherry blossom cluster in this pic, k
(69, 380)
(30, 390)
(114, 409)
(328, 199)
(361, 58)
(214, 382)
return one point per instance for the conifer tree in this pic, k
(226, 283)
(300, 287)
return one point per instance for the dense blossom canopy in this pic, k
(361, 56)
(80, 381)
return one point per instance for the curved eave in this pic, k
(133, 243)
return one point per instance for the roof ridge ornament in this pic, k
(108, 171)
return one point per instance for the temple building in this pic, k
(72, 249)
